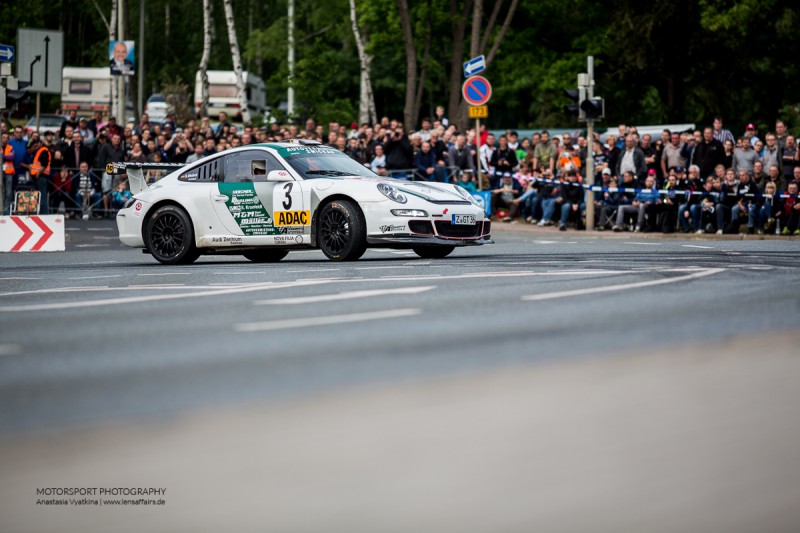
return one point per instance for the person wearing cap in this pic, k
(750, 134)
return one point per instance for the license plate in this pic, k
(463, 220)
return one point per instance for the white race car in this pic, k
(262, 201)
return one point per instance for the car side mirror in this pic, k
(279, 175)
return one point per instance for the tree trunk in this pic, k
(366, 101)
(459, 28)
(237, 61)
(424, 70)
(204, 59)
(411, 65)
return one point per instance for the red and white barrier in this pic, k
(37, 233)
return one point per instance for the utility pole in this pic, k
(121, 78)
(589, 151)
(290, 93)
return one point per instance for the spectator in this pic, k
(703, 211)
(39, 167)
(568, 159)
(571, 200)
(378, 164)
(692, 187)
(632, 160)
(487, 150)
(137, 155)
(721, 134)
(671, 157)
(545, 153)
(503, 197)
(791, 211)
(399, 153)
(94, 124)
(608, 201)
(613, 154)
(196, 155)
(727, 199)
(668, 204)
(504, 159)
(71, 121)
(708, 154)
(790, 158)
(780, 134)
(727, 159)
(546, 199)
(775, 177)
(425, 164)
(771, 155)
(764, 208)
(650, 153)
(439, 115)
(85, 131)
(750, 135)
(121, 195)
(466, 181)
(62, 187)
(744, 203)
(758, 175)
(86, 186)
(425, 132)
(643, 203)
(459, 157)
(744, 158)
(73, 155)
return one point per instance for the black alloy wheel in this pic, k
(170, 237)
(342, 231)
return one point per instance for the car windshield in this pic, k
(156, 98)
(323, 161)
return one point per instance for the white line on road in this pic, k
(98, 277)
(166, 274)
(382, 267)
(643, 243)
(18, 279)
(248, 272)
(313, 270)
(697, 246)
(344, 295)
(621, 287)
(324, 320)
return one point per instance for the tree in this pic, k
(366, 100)
(204, 59)
(237, 61)
(415, 82)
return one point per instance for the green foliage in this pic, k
(684, 60)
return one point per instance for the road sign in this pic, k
(6, 53)
(40, 59)
(478, 111)
(474, 66)
(43, 233)
(476, 90)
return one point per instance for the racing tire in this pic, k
(433, 252)
(169, 236)
(266, 256)
(341, 231)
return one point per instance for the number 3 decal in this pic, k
(287, 203)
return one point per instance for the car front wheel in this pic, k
(342, 231)
(170, 236)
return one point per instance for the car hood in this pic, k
(436, 193)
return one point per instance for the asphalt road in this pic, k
(103, 336)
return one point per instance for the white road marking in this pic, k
(381, 267)
(91, 245)
(97, 277)
(18, 279)
(621, 287)
(643, 243)
(313, 270)
(240, 273)
(697, 246)
(166, 274)
(344, 295)
(315, 322)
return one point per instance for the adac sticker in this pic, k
(292, 218)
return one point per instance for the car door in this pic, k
(249, 205)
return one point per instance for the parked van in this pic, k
(222, 93)
(88, 89)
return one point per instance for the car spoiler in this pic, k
(135, 172)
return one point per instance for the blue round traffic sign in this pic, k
(476, 90)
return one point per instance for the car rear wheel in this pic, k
(341, 231)
(266, 256)
(170, 236)
(434, 252)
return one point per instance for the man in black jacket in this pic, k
(631, 159)
(708, 154)
(571, 200)
(399, 154)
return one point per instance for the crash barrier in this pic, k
(600, 188)
(37, 233)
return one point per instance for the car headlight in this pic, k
(465, 193)
(392, 193)
(409, 213)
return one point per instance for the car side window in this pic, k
(250, 166)
(210, 171)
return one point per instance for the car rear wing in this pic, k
(135, 172)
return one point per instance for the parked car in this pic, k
(46, 123)
(157, 108)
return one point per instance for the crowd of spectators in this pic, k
(709, 180)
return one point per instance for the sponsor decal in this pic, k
(298, 239)
(292, 218)
(229, 241)
(308, 150)
(390, 228)
(246, 208)
(137, 209)
(290, 230)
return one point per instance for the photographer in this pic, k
(503, 160)
(178, 148)
(399, 154)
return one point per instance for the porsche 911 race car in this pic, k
(261, 201)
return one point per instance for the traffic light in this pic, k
(577, 96)
(16, 94)
(593, 108)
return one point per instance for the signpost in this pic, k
(40, 62)
(6, 53)
(476, 65)
(476, 91)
